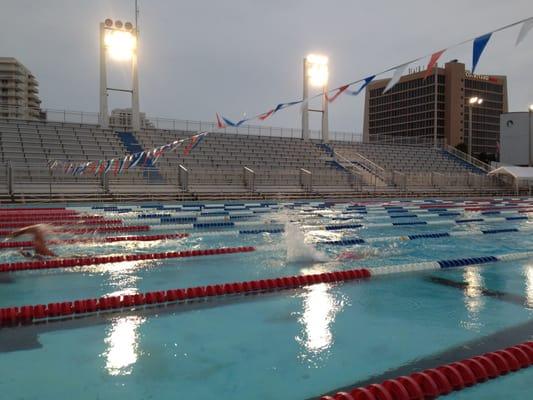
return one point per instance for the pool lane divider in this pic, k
(429, 235)
(434, 382)
(43, 312)
(109, 239)
(96, 260)
(98, 229)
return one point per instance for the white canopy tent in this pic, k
(522, 176)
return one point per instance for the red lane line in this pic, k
(39, 312)
(442, 380)
(16, 218)
(84, 261)
(133, 228)
(110, 239)
(62, 223)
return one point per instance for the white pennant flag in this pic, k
(396, 77)
(526, 27)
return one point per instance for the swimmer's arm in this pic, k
(22, 231)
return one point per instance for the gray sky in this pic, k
(198, 57)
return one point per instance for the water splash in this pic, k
(297, 250)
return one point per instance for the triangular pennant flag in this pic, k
(339, 92)
(432, 62)
(364, 85)
(526, 27)
(135, 158)
(281, 106)
(122, 165)
(231, 123)
(97, 167)
(220, 124)
(109, 165)
(264, 116)
(117, 165)
(479, 45)
(396, 77)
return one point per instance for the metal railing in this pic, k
(422, 140)
(151, 122)
(468, 158)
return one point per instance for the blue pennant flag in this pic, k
(281, 106)
(364, 85)
(231, 123)
(478, 47)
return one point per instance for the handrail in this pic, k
(468, 158)
(171, 124)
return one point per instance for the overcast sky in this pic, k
(199, 57)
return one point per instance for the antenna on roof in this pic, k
(136, 16)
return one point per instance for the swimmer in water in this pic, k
(39, 244)
(351, 255)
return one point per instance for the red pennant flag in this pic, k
(264, 116)
(220, 124)
(339, 91)
(432, 61)
(117, 164)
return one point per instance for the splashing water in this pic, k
(297, 250)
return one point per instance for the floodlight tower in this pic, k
(316, 74)
(119, 41)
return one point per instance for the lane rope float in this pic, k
(42, 312)
(442, 380)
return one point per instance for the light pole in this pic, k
(119, 41)
(530, 113)
(471, 103)
(315, 74)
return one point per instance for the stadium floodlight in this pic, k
(120, 44)
(317, 70)
(473, 100)
(531, 107)
(315, 74)
(118, 40)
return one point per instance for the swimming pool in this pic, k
(304, 341)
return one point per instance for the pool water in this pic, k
(292, 344)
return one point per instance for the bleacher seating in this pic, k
(215, 167)
(406, 159)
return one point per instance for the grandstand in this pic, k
(222, 166)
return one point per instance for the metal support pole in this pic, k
(135, 112)
(325, 123)
(436, 108)
(305, 106)
(470, 130)
(529, 141)
(103, 119)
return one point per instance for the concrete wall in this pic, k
(514, 138)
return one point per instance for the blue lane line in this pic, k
(259, 231)
(429, 235)
(461, 262)
(338, 227)
(464, 221)
(409, 223)
(344, 242)
(489, 231)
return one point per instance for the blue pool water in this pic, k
(296, 344)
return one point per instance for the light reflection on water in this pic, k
(473, 297)
(529, 284)
(122, 343)
(320, 308)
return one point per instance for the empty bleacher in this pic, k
(215, 168)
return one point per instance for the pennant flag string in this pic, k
(119, 165)
(479, 44)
